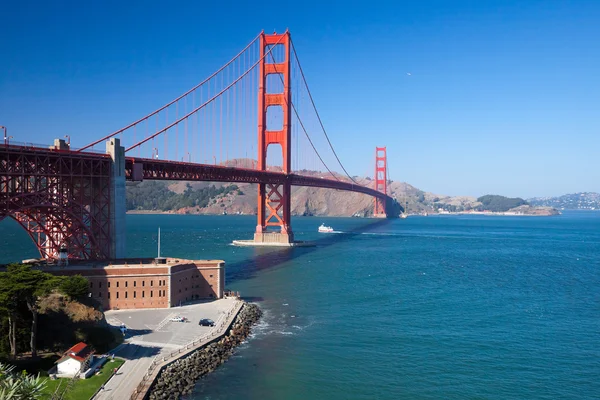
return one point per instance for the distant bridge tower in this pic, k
(274, 199)
(380, 180)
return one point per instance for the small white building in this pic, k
(75, 360)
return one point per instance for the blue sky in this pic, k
(502, 97)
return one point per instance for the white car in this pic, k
(177, 319)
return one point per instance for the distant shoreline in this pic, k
(487, 214)
(148, 212)
(157, 212)
(491, 214)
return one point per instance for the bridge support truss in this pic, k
(66, 200)
(274, 199)
(61, 200)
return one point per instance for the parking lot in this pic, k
(150, 333)
(154, 326)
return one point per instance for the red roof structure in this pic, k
(79, 352)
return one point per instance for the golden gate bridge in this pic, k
(74, 199)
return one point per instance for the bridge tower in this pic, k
(380, 180)
(274, 199)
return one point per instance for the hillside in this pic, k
(45, 314)
(240, 198)
(574, 201)
(495, 203)
(219, 198)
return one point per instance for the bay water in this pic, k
(438, 307)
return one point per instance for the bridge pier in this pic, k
(117, 198)
(274, 238)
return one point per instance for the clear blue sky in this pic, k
(503, 96)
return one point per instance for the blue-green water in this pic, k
(424, 308)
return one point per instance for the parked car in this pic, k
(206, 322)
(178, 319)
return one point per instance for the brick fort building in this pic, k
(148, 283)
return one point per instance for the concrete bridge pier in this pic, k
(117, 199)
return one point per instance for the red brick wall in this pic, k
(148, 287)
(135, 291)
(195, 281)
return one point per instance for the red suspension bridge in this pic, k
(74, 199)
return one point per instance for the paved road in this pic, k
(150, 334)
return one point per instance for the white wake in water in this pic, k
(276, 323)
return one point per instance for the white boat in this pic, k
(325, 229)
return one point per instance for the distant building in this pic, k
(75, 360)
(149, 283)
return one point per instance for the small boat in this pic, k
(325, 229)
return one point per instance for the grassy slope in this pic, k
(83, 389)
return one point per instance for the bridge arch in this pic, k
(16, 242)
(51, 225)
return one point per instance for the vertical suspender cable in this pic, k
(318, 116)
(165, 156)
(176, 132)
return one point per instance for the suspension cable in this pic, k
(317, 112)
(177, 99)
(206, 102)
(299, 119)
(387, 175)
(311, 142)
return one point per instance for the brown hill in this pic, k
(313, 201)
(305, 200)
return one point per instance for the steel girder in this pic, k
(173, 170)
(61, 198)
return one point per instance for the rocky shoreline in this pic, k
(180, 377)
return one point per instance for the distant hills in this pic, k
(574, 201)
(497, 203)
(488, 204)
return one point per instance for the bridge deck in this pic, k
(144, 168)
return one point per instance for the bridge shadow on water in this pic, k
(268, 258)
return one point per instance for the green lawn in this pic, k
(83, 389)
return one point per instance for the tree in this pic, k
(497, 203)
(76, 287)
(9, 305)
(30, 284)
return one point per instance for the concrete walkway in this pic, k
(151, 335)
(221, 328)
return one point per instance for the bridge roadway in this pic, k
(147, 168)
(183, 171)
